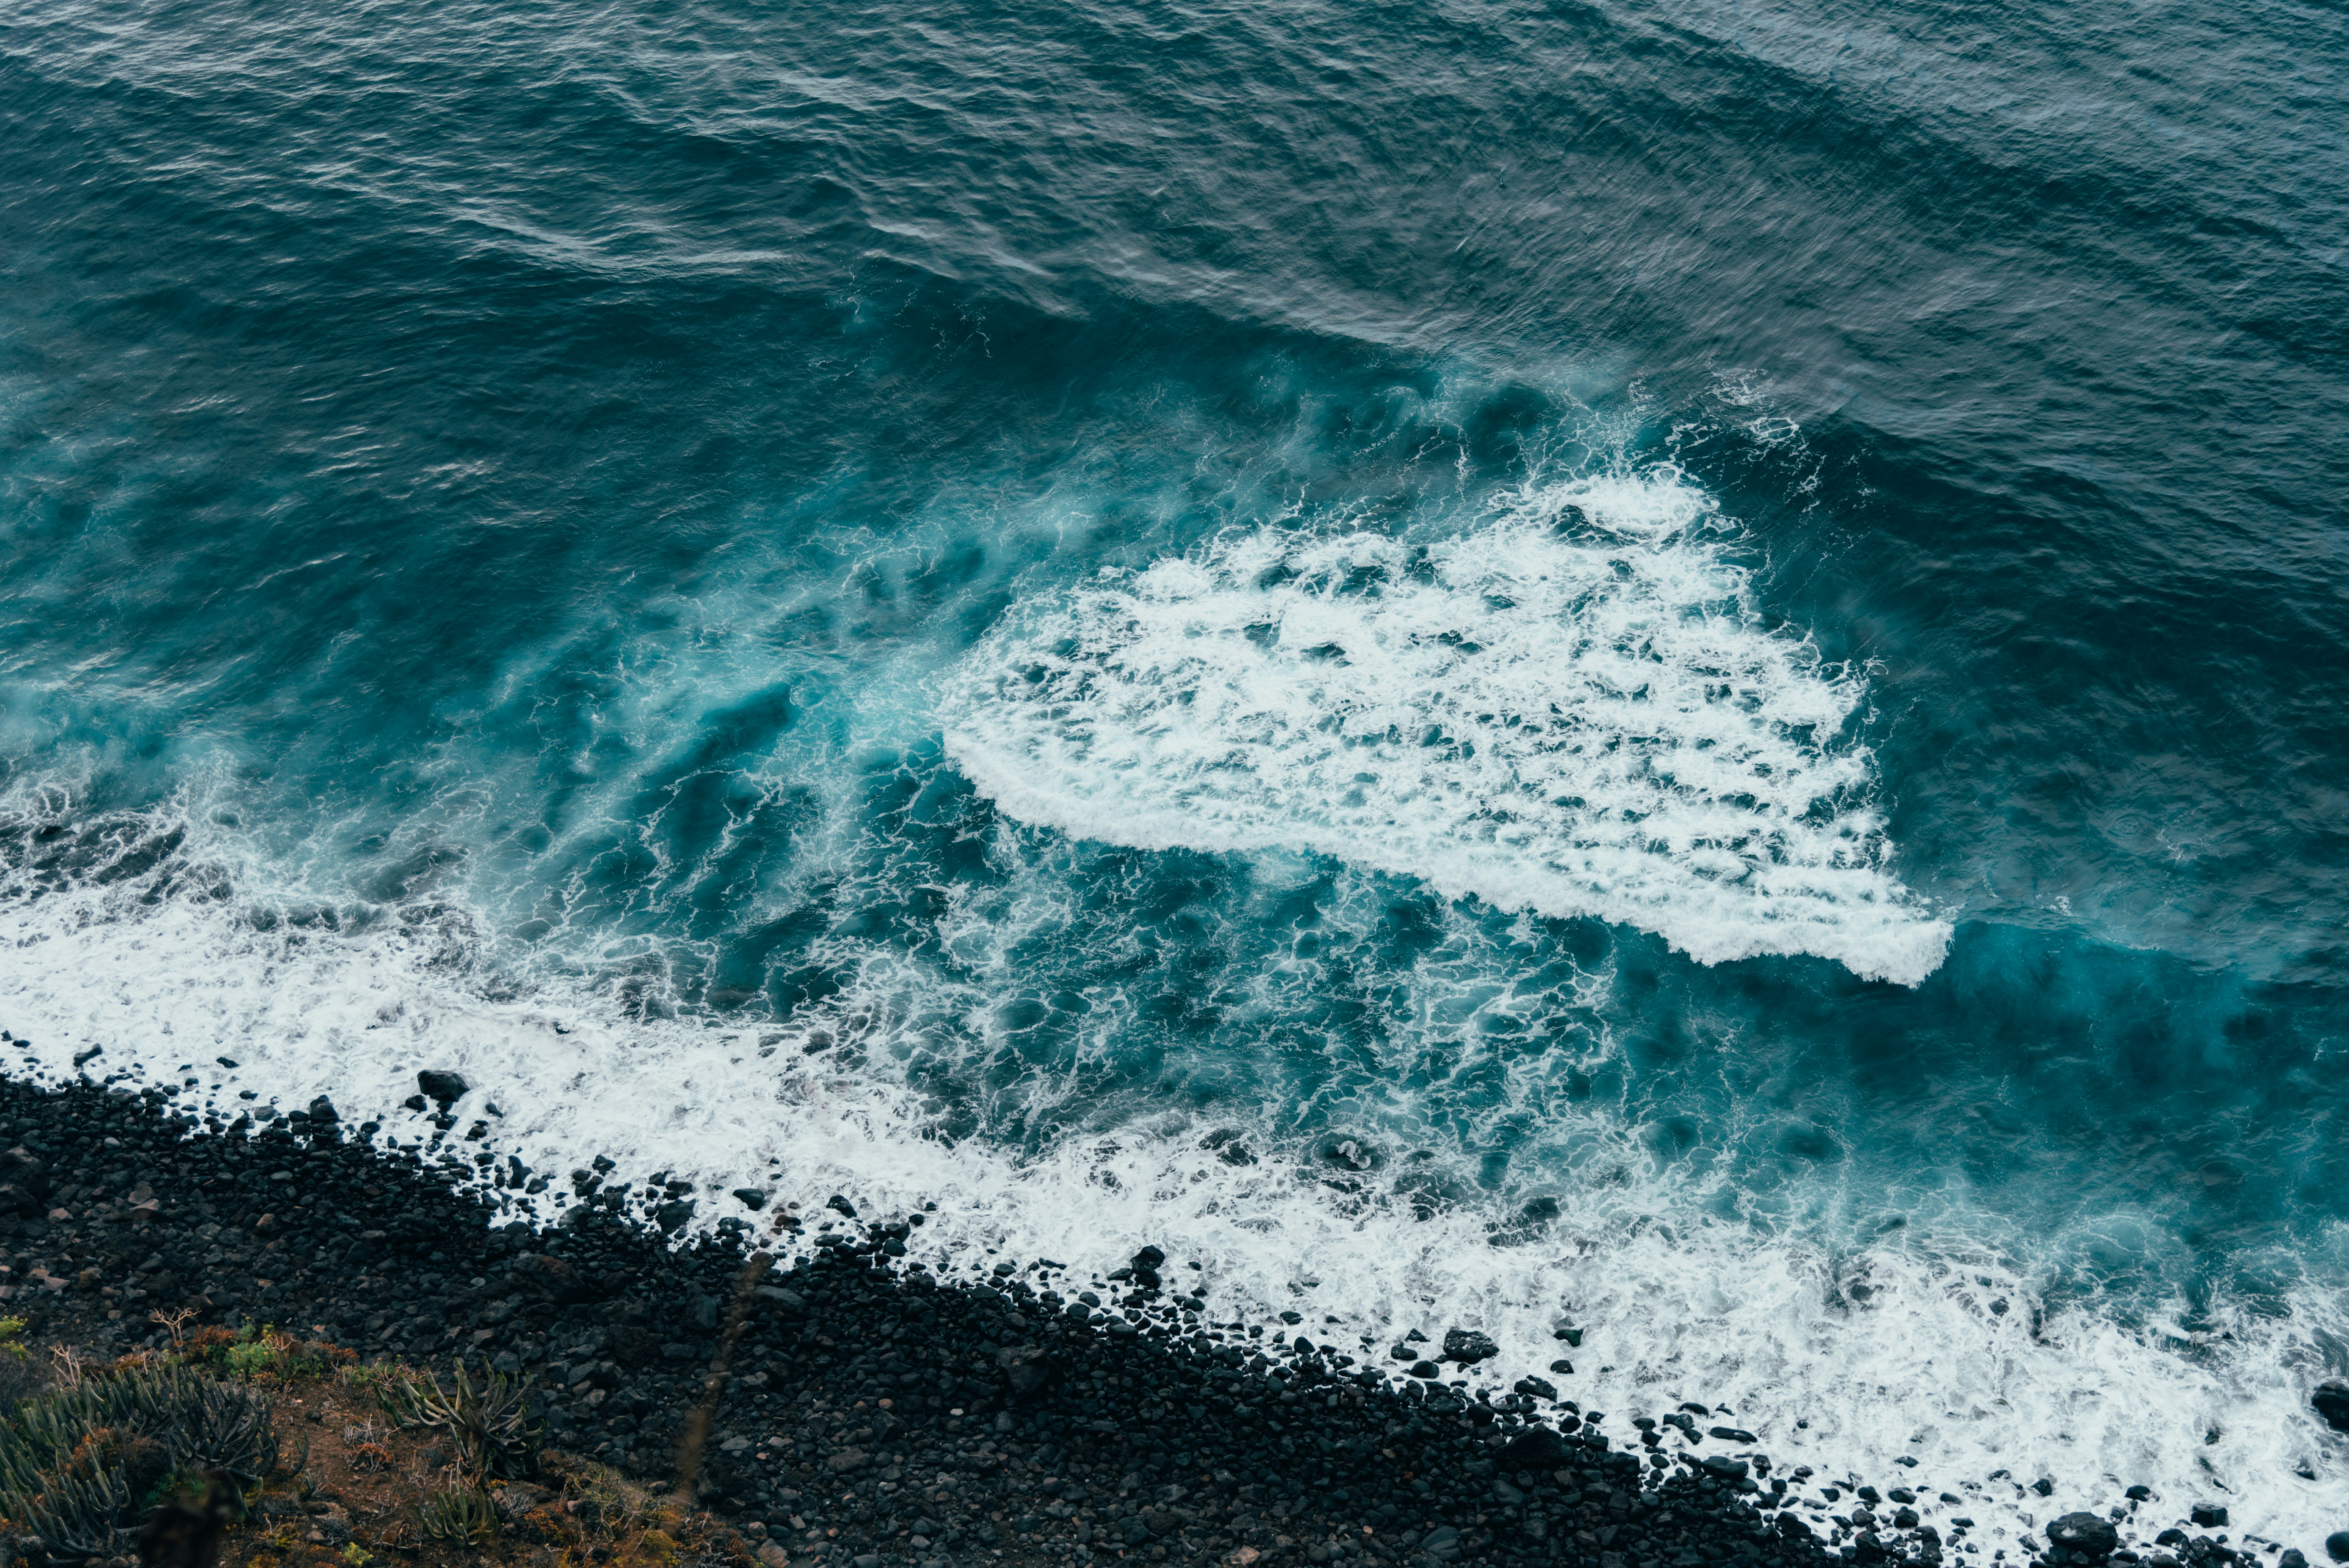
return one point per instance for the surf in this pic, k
(1572, 708)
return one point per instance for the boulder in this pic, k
(1026, 1370)
(544, 1274)
(2084, 1532)
(447, 1088)
(1467, 1346)
(2331, 1402)
(1535, 1448)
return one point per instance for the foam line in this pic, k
(1840, 1358)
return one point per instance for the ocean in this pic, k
(1676, 670)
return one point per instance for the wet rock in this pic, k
(1738, 1435)
(541, 1274)
(2336, 1546)
(2331, 1402)
(446, 1087)
(1467, 1346)
(751, 1197)
(2044, 1486)
(1535, 1448)
(2208, 1515)
(2084, 1532)
(1028, 1371)
(1538, 1387)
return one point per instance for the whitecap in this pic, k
(1573, 708)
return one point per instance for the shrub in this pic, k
(77, 1465)
(490, 1426)
(461, 1516)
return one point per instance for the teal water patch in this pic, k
(678, 566)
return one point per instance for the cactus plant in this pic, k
(76, 1465)
(490, 1426)
(461, 1516)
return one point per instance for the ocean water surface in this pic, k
(1676, 669)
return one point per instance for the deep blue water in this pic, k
(1663, 524)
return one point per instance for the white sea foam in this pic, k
(1841, 1360)
(1573, 709)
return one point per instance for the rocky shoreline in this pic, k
(838, 1406)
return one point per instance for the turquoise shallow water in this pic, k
(1669, 655)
